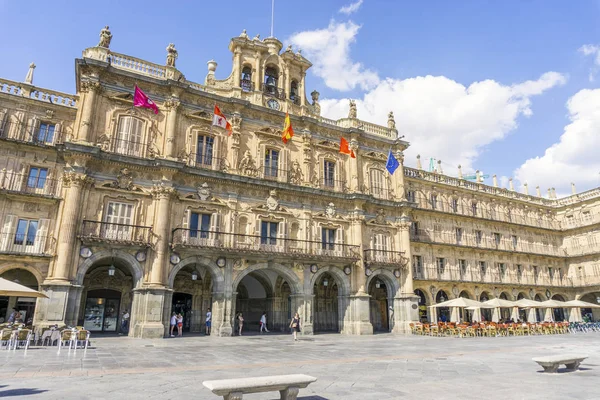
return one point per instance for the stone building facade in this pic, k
(108, 208)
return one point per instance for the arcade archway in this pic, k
(25, 306)
(423, 310)
(326, 304)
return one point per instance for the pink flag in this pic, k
(141, 100)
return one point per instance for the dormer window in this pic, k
(246, 79)
(294, 92)
(271, 76)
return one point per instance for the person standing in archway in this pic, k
(208, 321)
(263, 322)
(240, 319)
(295, 325)
(173, 323)
(179, 324)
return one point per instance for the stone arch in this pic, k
(285, 272)
(466, 292)
(522, 295)
(559, 297)
(34, 271)
(425, 295)
(132, 264)
(391, 282)
(211, 266)
(340, 277)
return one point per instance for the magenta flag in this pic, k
(141, 100)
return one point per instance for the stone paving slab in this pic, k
(370, 367)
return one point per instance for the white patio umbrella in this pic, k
(461, 302)
(498, 304)
(576, 306)
(9, 288)
(531, 305)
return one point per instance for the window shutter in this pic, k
(281, 234)
(283, 165)
(215, 225)
(338, 175)
(57, 134)
(193, 147)
(20, 182)
(8, 232)
(32, 129)
(122, 135)
(319, 239)
(260, 159)
(217, 161)
(3, 114)
(41, 236)
(185, 234)
(339, 241)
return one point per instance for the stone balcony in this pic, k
(30, 185)
(124, 234)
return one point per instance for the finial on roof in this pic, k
(257, 37)
(573, 191)
(511, 185)
(244, 34)
(419, 162)
(391, 121)
(439, 167)
(29, 77)
(495, 180)
(460, 175)
(172, 55)
(538, 191)
(525, 189)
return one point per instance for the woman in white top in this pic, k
(263, 322)
(173, 323)
(179, 324)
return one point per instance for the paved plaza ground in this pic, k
(371, 367)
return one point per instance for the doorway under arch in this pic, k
(326, 304)
(505, 312)
(591, 314)
(423, 311)
(443, 313)
(522, 311)
(465, 315)
(379, 305)
(25, 306)
(559, 313)
(192, 296)
(486, 313)
(538, 311)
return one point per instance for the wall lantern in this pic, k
(194, 276)
(325, 282)
(377, 284)
(111, 270)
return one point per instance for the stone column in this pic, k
(301, 90)
(237, 68)
(171, 129)
(287, 82)
(257, 74)
(74, 183)
(398, 177)
(161, 228)
(91, 90)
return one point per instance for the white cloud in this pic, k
(351, 8)
(592, 50)
(575, 157)
(444, 119)
(329, 50)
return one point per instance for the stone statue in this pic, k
(105, 37)
(391, 122)
(296, 174)
(244, 34)
(352, 112)
(288, 49)
(247, 166)
(257, 37)
(315, 104)
(172, 55)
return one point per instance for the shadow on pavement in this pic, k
(20, 392)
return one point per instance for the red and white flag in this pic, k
(220, 120)
(141, 100)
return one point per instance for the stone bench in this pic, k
(287, 385)
(551, 363)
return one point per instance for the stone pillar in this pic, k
(147, 312)
(287, 82)
(257, 75)
(74, 184)
(353, 168)
(171, 129)
(91, 90)
(161, 228)
(301, 91)
(406, 303)
(237, 67)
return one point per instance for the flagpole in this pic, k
(272, 15)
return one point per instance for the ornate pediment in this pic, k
(269, 132)
(376, 155)
(272, 204)
(380, 218)
(330, 213)
(124, 181)
(200, 115)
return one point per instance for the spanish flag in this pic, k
(288, 131)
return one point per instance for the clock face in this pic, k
(175, 259)
(273, 104)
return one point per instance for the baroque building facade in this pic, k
(108, 208)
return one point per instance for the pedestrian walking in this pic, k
(295, 325)
(125, 322)
(263, 322)
(208, 321)
(179, 324)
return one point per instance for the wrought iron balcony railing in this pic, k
(34, 133)
(273, 91)
(35, 182)
(116, 233)
(247, 85)
(262, 244)
(373, 256)
(210, 162)
(17, 243)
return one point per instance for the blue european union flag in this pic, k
(392, 164)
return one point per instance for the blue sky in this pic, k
(431, 52)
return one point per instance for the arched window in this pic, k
(129, 136)
(246, 79)
(270, 83)
(294, 92)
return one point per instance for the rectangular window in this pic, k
(329, 173)
(118, 220)
(551, 272)
(535, 271)
(474, 209)
(502, 268)
(462, 265)
(410, 196)
(515, 241)
(519, 270)
(128, 140)
(377, 183)
(497, 238)
(433, 201)
(414, 228)
(45, 133)
(271, 163)
(199, 225)
(478, 237)
(381, 242)
(26, 231)
(418, 266)
(441, 265)
(454, 205)
(482, 267)
(37, 177)
(204, 150)
(459, 233)
(268, 232)
(508, 214)
(328, 238)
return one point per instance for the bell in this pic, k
(271, 81)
